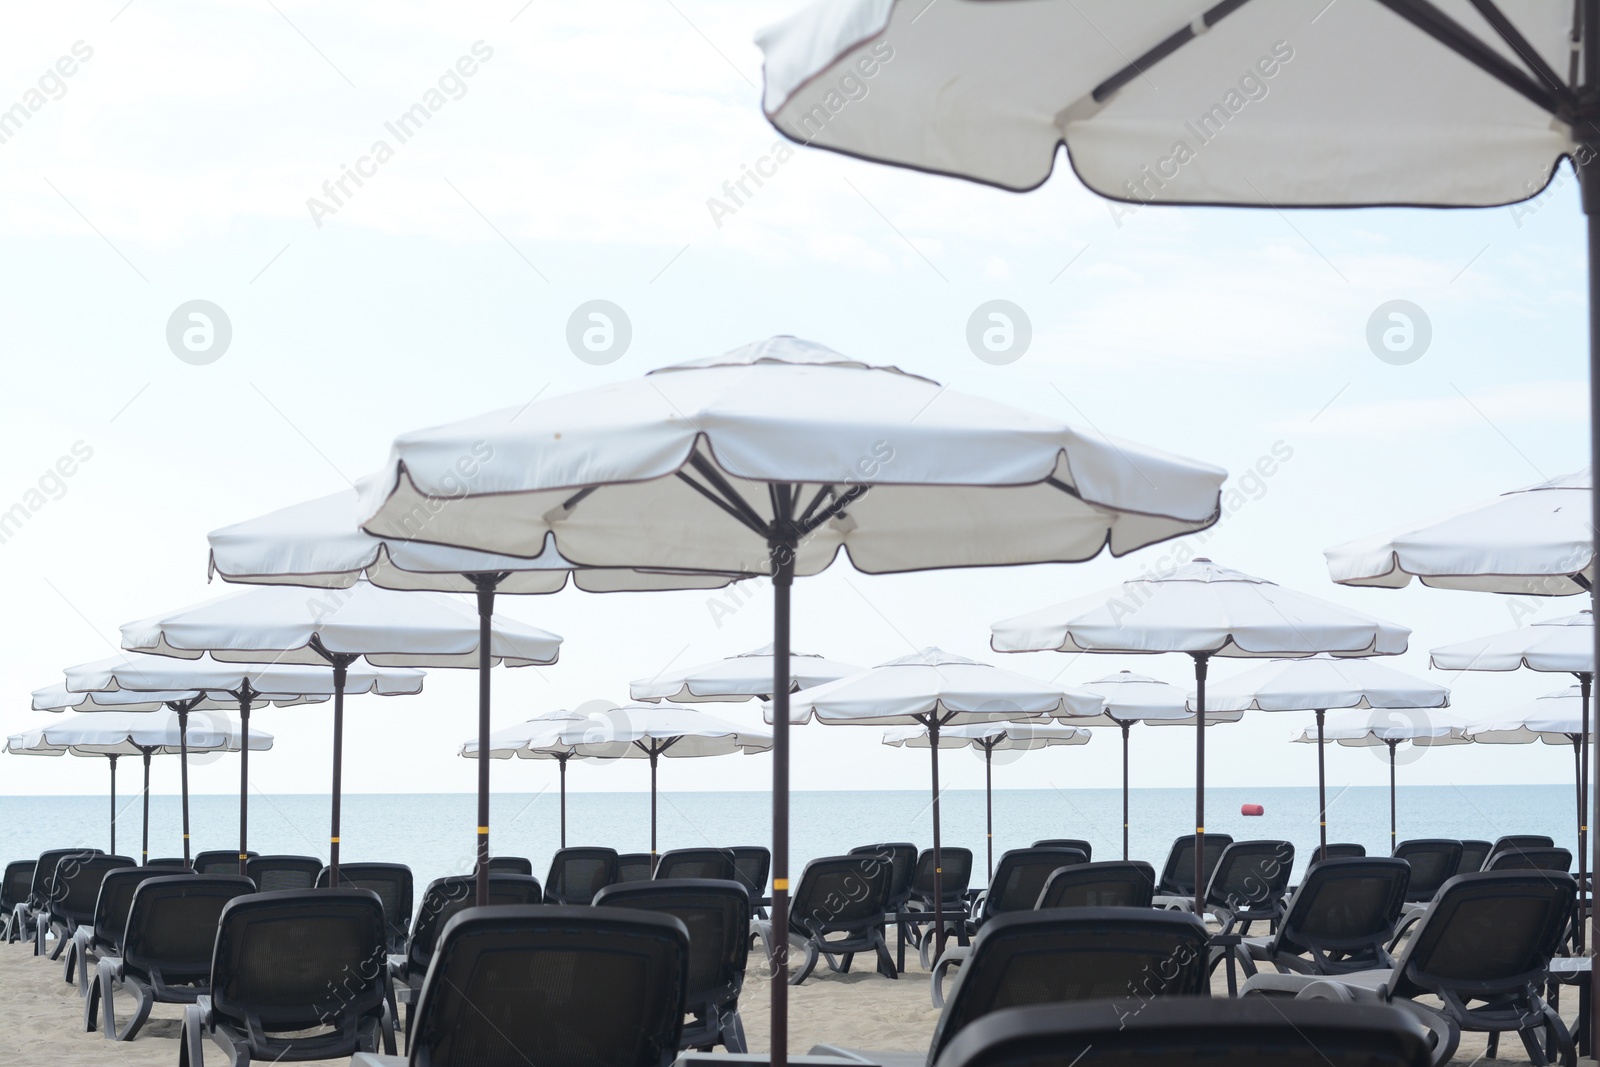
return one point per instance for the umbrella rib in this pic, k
(709, 472)
(1525, 51)
(822, 494)
(1441, 27)
(719, 502)
(834, 509)
(1168, 45)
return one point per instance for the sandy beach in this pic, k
(41, 1017)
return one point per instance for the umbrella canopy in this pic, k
(123, 733)
(59, 698)
(650, 731)
(989, 738)
(1129, 698)
(1563, 645)
(1555, 718)
(770, 460)
(740, 677)
(1321, 683)
(1535, 540)
(1204, 610)
(537, 738)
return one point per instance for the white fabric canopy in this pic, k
(1424, 732)
(320, 543)
(1323, 683)
(286, 624)
(1531, 540)
(937, 684)
(141, 673)
(537, 738)
(1132, 697)
(995, 736)
(951, 479)
(1555, 718)
(634, 731)
(1565, 645)
(1273, 102)
(59, 698)
(740, 677)
(131, 733)
(1201, 608)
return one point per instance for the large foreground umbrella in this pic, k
(1390, 731)
(1321, 684)
(386, 628)
(989, 738)
(1131, 698)
(537, 738)
(650, 731)
(122, 733)
(318, 543)
(935, 689)
(740, 677)
(770, 460)
(1202, 610)
(249, 684)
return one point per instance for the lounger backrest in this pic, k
(511, 865)
(273, 874)
(219, 861)
(172, 923)
(1180, 1032)
(77, 886)
(1346, 907)
(902, 859)
(752, 864)
(840, 893)
(1489, 931)
(710, 863)
(1518, 842)
(299, 959)
(1434, 861)
(16, 882)
(116, 897)
(1114, 884)
(577, 874)
(1530, 859)
(1340, 851)
(1474, 854)
(1068, 842)
(394, 886)
(450, 894)
(1020, 876)
(554, 986)
(957, 875)
(1251, 875)
(1072, 954)
(633, 867)
(717, 915)
(169, 861)
(1177, 875)
(44, 872)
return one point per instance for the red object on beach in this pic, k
(1252, 809)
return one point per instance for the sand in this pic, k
(41, 1017)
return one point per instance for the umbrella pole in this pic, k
(783, 554)
(1322, 792)
(144, 843)
(1585, 682)
(938, 854)
(562, 761)
(1201, 661)
(183, 772)
(654, 757)
(1589, 189)
(341, 668)
(244, 779)
(113, 805)
(988, 803)
(1393, 843)
(486, 584)
(1125, 727)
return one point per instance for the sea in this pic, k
(434, 832)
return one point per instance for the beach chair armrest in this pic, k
(953, 955)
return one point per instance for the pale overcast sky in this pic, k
(168, 152)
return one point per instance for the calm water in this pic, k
(433, 832)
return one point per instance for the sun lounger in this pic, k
(1474, 854)
(1337, 921)
(1112, 884)
(634, 867)
(1343, 851)
(167, 946)
(1434, 861)
(25, 914)
(716, 913)
(511, 865)
(752, 865)
(1068, 842)
(551, 986)
(1180, 1032)
(102, 936)
(901, 856)
(14, 887)
(1248, 885)
(1177, 874)
(957, 876)
(711, 863)
(219, 861)
(393, 884)
(73, 893)
(837, 911)
(1483, 948)
(577, 874)
(273, 874)
(290, 962)
(1530, 859)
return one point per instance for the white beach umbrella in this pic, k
(113, 734)
(1389, 730)
(1130, 698)
(1535, 541)
(989, 738)
(248, 684)
(384, 627)
(537, 738)
(935, 690)
(740, 677)
(1557, 718)
(319, 543)
(770, 460)
(1203, 610)
(650, 731)
(1321, 684)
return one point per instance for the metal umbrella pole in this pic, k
(1322, 791)
(1126, 726)
(144, 844)
(113, 760)
(341, 668)
(1202, 661)
(245, 695)
(1393, 842)
(486, 585)
(562, 761)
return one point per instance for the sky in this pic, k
(194, 154)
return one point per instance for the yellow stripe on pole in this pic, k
(483, 829)
(334, 840)
(780, 885)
